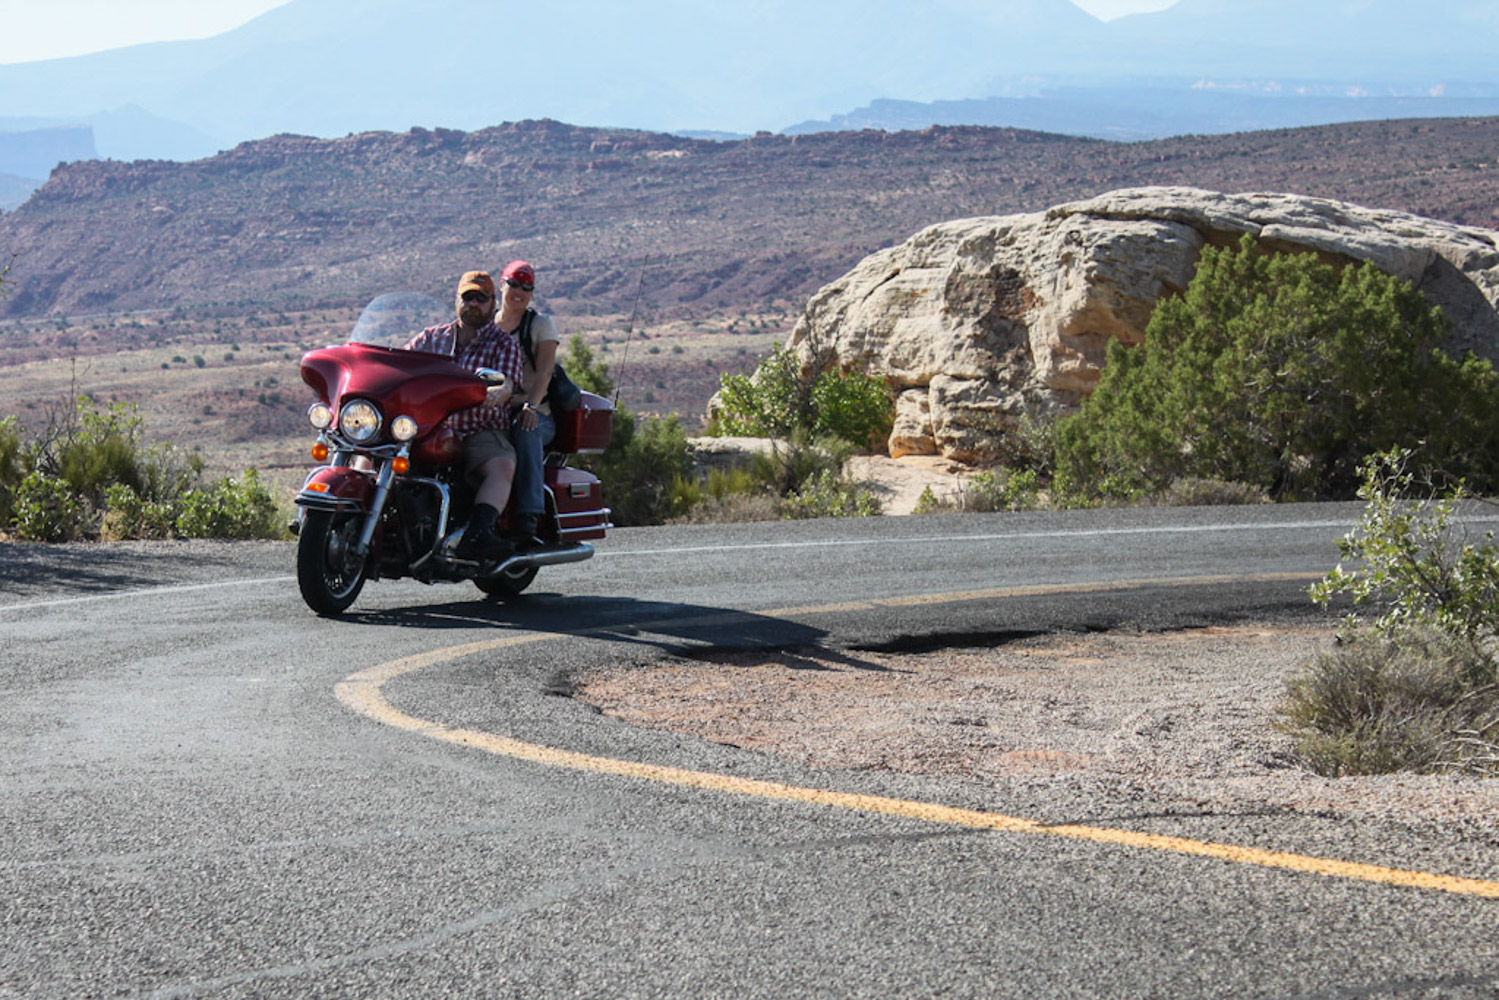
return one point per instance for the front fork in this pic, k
(377, 504)
(361, 464)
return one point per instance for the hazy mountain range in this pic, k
(334, 67)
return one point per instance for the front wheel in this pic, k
(328, 571)
(507, 584)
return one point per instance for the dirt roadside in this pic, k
(1185, 717)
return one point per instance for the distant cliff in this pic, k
(756, 223)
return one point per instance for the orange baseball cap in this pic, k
(476, 281)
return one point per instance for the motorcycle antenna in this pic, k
(630, 329)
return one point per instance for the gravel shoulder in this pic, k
(1185, 717)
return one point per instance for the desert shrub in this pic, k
(731, 494)
(1002, 490)
(12, 465)
(45, 509)
(1281, 373)
(776, 401)
(88, 474)
(734, 508)
(586, 368)
(230, 508)
(1031, 443)
(645, 464)
(983, 492)
(640, 466)
(127, 516)
(772, 402)
(715, 489)
(1194, 492)
(1416, 688)
(95, 449)
(167, 473)
(1415, 561)
(854, 406)
(827, 494)
(1376, 705)
(1066, 492)
(721, 483)
(930, 503)
(684, 493)
(790, 465)
(819, 423)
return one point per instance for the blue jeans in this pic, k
(530, 447)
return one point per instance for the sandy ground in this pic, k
(1185, 717)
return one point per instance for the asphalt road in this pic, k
(208, 791)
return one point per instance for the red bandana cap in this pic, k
(519, 270)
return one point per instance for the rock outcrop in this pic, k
(976, 321)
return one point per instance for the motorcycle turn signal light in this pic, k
(320, 452)
(400, 465)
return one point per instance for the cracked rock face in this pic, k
(975, 321)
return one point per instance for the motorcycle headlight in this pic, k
(403, 428)
(320, 415)
(359, 421)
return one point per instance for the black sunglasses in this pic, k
(520, 284)
(478, 297)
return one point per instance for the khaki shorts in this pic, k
(481, 446)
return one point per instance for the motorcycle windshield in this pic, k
(392, 319)
(372, 365)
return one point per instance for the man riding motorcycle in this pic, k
(474, 341)
(391, 496)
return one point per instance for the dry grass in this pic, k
(736, 508)
(1372, 706)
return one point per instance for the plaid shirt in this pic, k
(490, 348)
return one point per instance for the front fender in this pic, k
(338, 488)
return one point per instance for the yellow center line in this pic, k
(363, 693)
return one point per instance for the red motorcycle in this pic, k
(390, 500)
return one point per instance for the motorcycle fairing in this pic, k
(337, 488)
(425, 387)
(444, 447)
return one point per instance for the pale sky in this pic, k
(48, 29)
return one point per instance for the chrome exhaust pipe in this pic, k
(543, 557)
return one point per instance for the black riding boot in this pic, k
(524, 531)
(479, 539)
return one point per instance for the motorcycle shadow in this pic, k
(688, 630)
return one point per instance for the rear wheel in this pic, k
(328, 571)
(507, 584)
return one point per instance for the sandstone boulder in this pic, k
(725, 453)
(976, 321)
